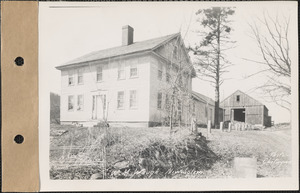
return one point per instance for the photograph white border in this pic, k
(46, 184)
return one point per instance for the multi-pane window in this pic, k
(167, 105)
(120, 100)
(133, 71)
(99, 73)
(238, 98)
(70, 103)
(159, 75)
(159, 71)
(179, 105)
(159, 100)
(71, 78)
(168, 77)
(80, 76)
(176, 69)
(121, 72)
(80, 102)
(133, 99)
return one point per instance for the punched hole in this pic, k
(19, 139)
(19, 61)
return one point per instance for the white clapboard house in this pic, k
(124, 85)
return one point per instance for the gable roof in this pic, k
(121, 50)
(203, 98)
(239, 91)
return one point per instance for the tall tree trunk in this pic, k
(217, 94)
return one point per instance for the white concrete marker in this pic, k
(209, 126)
(244, 167)
(221, 126)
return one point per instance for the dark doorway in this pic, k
(239, 115)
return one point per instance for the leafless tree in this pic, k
(272, 39)
(177, 89)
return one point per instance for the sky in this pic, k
(70, 30)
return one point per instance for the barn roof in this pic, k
(239, 91)
(203, 98)
(121, 50)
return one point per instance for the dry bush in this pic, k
(144, 152)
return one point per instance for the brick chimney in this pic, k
(127, 35)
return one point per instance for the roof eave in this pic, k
(100, 59)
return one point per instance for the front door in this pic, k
(99, 107)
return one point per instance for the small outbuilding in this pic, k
(204, 109)
(243, 108)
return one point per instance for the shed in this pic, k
(204, 108)
(242, 107)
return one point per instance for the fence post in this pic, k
(208, 126)
(229, 127)
(221, 126)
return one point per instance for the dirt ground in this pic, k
(271, 148)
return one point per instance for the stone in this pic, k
(121, 164)
(96, 176)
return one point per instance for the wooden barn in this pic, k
(241, 107)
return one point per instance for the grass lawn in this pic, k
(79, 152)
(271, 148)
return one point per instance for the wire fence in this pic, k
(66, 154)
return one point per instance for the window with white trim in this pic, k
(133, 99)
(121, 72)
(133, 71)
(71, 78)
(167, 105)
(159, 75)
(120, 100)
(168, 77)
(80, 76)
(159, 100)
(71, 103)
(79, 102)
(99, 73)
(159, 71)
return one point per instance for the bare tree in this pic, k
(210, 55)
(177, 89)
(271, 36)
